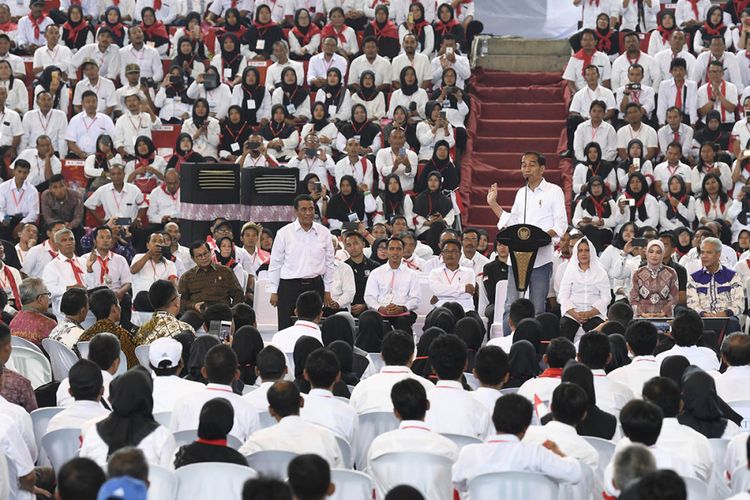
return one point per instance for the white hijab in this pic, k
(573, 270)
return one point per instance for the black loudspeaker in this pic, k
(208, 191)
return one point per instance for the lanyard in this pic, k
(140, 122)
(153, 267)
(90, 124)
(118, 203)
(450, 280)
(42, 123)
(17, 202)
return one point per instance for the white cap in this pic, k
(165, 349)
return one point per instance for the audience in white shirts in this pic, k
(641, 338)
(87, 389)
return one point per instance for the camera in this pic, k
(443, 115)
(210, 81)
(175, 80)
(633, 86)
(148, 82)
(253, 145)
(318, 187)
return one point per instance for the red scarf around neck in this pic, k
(156, 30)
(304, 38)
(73, 31)
(711, 31)
(36, 23)
(586, 58)
(388, 31)
(665, 33)
(8, 27)
(330, 30)
(605, 41)
(442, 28)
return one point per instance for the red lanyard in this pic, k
(17, 202)
(140, 122)
(45, 125)
(90, 124)
(239, 132)
(450, 280)
(118, 203)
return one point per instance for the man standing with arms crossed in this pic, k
(301, 260)
(541, 204)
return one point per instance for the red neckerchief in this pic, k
(35, 23)
(180, 159)
(586, 58)
(388, 31)
(263, 28)
(713, 31)
(739, 6)
(419, 27)
(8, 27)
(212, 442)
(173, 196)
(694, 6)
(599, 205)
(639, 202)
(605, 41)
(665, 33)
(77, 273)
(551, 373)
(156, 30)
(13, 286)
(460, 3)
(330, 30)
(117, 29)
(707, 205)
(305, 38)
(144, 161)
(105, 266)
(709, 92)
(73, 31)
(442, 28)
(682, 199)
(631, 61)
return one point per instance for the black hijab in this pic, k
(75, 34)
(550, 325)
(247, 343)
(366, 130)
(367, 93)
(441, 317)
(294, 94)
(345, 354)
(255, 93)
(522, 363)
(179, 157)
(132, 417)
(639, 210)
(408, 90)
(341, 205)
(445, 167)
(335, 328)
(598, 167)
(430, 202)
(701, 409)
(302, 349)
(198, 352)
(619, 241)
(471, 332)
(393, 203)
(370, 332)
(276, 130)
(530, 329)
(598, 206)
(619, 348)
(421, 365)
(216, 419)
(681, 196)
(45, 81)
(374, 250)
(334, 94)
(198, 121)
(680, 248)
(597, 423)
(319, 124)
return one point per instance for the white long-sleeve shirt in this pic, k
(453, 410)
(386, 285)
(19, 201)
(123, 203)
(219, 99)
(162, 203)
(384, 161)
(117, 271)
(428, 139)
(589, 289)
(26, 34)
(343, 288)
(36, 175)
(298, 253)
(731, 68)
(450, 286)
(373, 394)
(128, 128)
(84, 130)
(206, 145)
(651, 72)
(108, 61)
(61, 273)
(54, 125)
(652, 213)
(318, 66)
(147, 59)
(604, 135)
(461, 65)
(323, 409)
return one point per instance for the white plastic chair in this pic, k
(743, 408)
(501, 292)
(377, 361)
(425, 292)
(83, 348)
(163, 418)
(32, 364)
(346, 452)
(189, 435)
(740, 480)
(22, 342)
(271, 463)
(39, 420)
(212, 480)
(605, 449)
(265, 313)
(266, 420)
(513, 485)
(61, 358)
(61, 445)
(371, 425)
(162, 483)
(123, 364)
(717, 484)
(472, 381)
(351, 485)
(141, 352)
(509, 390)
(248, 389)
(460, 440)
(430, 474)
(696, 489)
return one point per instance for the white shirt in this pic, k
(273, 73)
(186, 413)
(731, 68)
(420, 62)
(18, 95)
(16, 63)
(487, 396)
(638, 372)
(323, 409)
(59, 56)
(77, 414)
(147, 58)
(10, 126)
(294, 434)
(546, 210)
(736, 454)
(384, 161)
(646, 134)
(663, 171)
(117, 275)
(582, 99)
(664, 59)
(54, 125)
(361, 170)
(629, 17)
(124, 203)
(343, 288)
(645, 97)
(611, 396)
(651, 72)
(450, 286)
(104, 89)
(259, 397)
(380, 66)
(15, 201)
(684, 11)
(386, 285)
(150, 272)
(453, 410)
(574, 69)
(128, 128)
(14, 447)
(460, 65)
(90, 7)
(398, 98)
(169, 390)
(505, 453)
(542, 388)
(373, 394)
(730, 92)
(732, 385)
(158, 447)
(59, 275)
(26, 33)
(108, 61)
(84, 130)
(604, 135)
(37, 259)
(165, 14)
(315, 166)
(566, 437)
(63, 397)
(285, 339)
(162, 204)
(297, 253)
(702, 357)
(684, 133)
(318, 66)
(23, 421)
(688, 444)
(206, 144)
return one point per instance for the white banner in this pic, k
(537, 19)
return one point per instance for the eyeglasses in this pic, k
(450, 251)
(201, 255)
(45, 294)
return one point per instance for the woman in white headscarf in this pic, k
(584, 291)
(654, 290)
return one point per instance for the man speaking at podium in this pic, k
(541, 204)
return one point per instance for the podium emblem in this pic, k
(524, 233)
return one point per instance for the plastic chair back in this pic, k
(430, 474)
(605, 449)
(460, 440)
(472, 381)
(61, 445)
(718, 487)
(33, 365)
(377, 361)
(123, 364)
(271, 463)
(83, 349)
(696, 489)
(163, 418)
(162, 483)
(513, 485)
(61, 358)
(740, 480)
(371, 425)
(39, 420)
(509, 390)
(212, 480)
(22, 342)
(351, 485)
(141, 352)
(346, 452)
(264, 311)
(743, 408)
